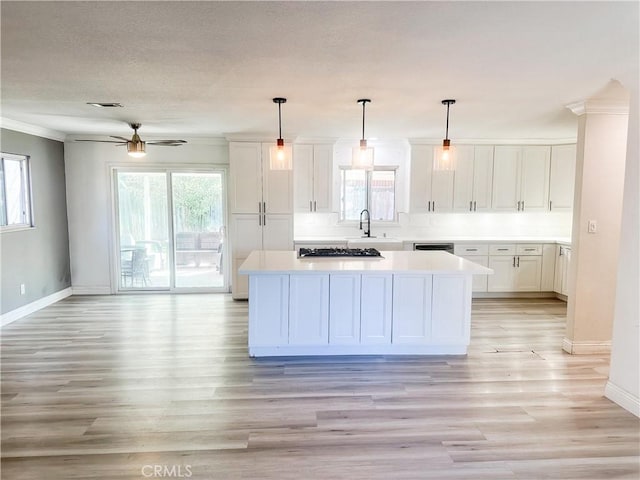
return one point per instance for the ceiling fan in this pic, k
(136, 146)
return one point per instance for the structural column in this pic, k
(599, 183)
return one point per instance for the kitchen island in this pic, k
(412, 303)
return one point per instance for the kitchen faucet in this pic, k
(367, 232)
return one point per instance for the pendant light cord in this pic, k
(446, 135)
(363, 104)
(279, 120)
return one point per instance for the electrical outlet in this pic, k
(592, 226)
(23, 289)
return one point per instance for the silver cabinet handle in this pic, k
(315, 206)
(550, 205)
(529, 249)
(434, 205)
(264, 207)
(310, 206)
(514, 262)
(264, 220)
(471, 249)
(519, 202)
(523, 205)
(561, 252)
(518, 262)
(475, 206)
(503, 249)
(470, 206)
(259, 207)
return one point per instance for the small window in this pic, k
(15, 191)
(374, 190)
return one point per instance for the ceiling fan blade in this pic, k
(103, 141)
(120, 138)
(167, 143)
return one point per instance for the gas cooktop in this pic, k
(338, 252)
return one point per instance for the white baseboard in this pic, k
(586, 348)
(623, 398)
(100, 290)
(20, 312)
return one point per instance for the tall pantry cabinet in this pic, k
(261, 205)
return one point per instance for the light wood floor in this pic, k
(110, 387)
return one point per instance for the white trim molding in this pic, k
(92, 290)
(32, 129)
(623, 398)
(20, 312)
(586, 348)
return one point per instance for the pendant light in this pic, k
(445, 158)
(280, 154)
(362, 157)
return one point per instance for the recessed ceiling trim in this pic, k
(105, 104)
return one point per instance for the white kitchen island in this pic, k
(411, 303)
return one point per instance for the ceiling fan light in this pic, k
(136, 149)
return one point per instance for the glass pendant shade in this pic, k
(362, 157)
(136, 149)
(280, 156)
(445, 157)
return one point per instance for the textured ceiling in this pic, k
(189, 69)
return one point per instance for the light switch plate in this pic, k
(592, 226)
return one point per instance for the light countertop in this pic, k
(441, 239)
(423, 262)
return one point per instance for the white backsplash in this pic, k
(442, 225)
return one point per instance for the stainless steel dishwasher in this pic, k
(447, 247)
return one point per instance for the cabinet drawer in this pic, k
(529, 249)
(471, 249)
(504, 249)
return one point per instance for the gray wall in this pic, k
(37, 257)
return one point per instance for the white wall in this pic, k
(89, 203)
(624, 375)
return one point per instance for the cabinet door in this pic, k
(442, 191)
(565, 271)
(502, 279)
(534, 183)
(322, 177)
(303, 178)
(463, 179)
(528, 273)
(562, 177)
(420, 178)
(411, 309)
(557, 278)
(277, 232)
(245, 177)
(246, 233)
(482, 177)
(344, 309)
(269, 310)
(277, 186)
(506, 174)
(376, 309)
(451, 309)
(479, 282)
(308, 309)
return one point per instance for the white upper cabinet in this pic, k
(473, 178)
(521, 178)
(562, 177)
(253, 186)
(312, 170)
(245, 177)
(430, 191)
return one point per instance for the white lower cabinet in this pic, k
(376, 309)
(451, 304)
(269, 293)
(412, 309)
(517, 268)
(308, 309)
(344, 309)
(561, 278)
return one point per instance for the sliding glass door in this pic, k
(171, 230)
